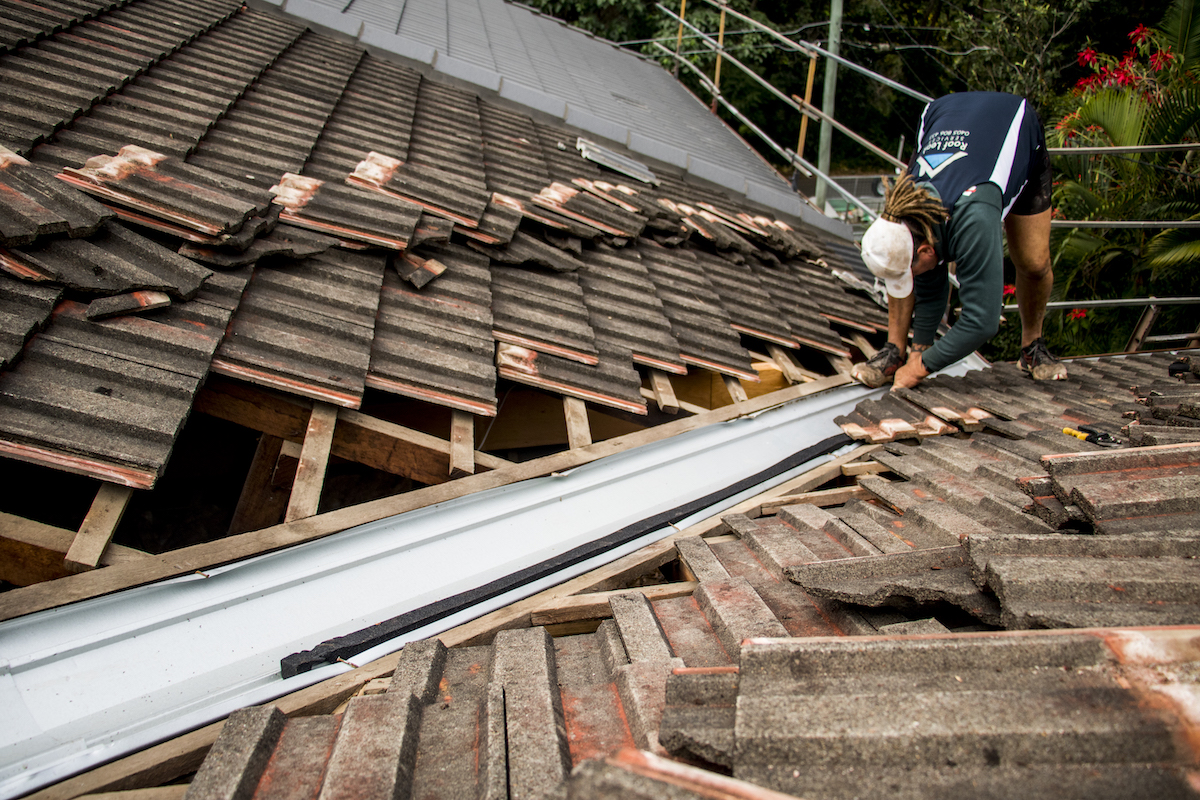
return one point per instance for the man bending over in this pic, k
(981, 166)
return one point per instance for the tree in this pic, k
(1021, 46)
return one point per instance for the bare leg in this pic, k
(1029, 246)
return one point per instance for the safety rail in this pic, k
(1153, 305)
(1153, 308)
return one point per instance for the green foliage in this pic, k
(1148, 95)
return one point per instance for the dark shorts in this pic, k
(1035, 197)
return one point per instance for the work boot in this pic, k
(880, 368)
(1038, 362)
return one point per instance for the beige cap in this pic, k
(887, 250)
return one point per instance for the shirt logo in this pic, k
(932, 164)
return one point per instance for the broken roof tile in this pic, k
(24, 309)
(112, 261)
(528, 249)
(283, 240)
(346, 212)
(436, 344)
(34, 204)
(932, 575)
(107, 399)
(582, 207)
(436, 191)
(131, 303)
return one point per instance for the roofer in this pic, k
(981, 165)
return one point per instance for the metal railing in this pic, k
(1153, 306)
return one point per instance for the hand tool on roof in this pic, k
(1090, 434)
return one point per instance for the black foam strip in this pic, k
(344, 647)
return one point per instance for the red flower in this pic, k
(1086, 56)
(1139, 34)
(1083, 84)
(1124, 77)
(1009, 289)
(1077, 313)
(1161, 59)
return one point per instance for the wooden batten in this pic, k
(869, 350)
(314, 459)
(839, 363)
(863, 468)
(826, 497)
(32, 552)
(358, 437)
(462, 444)
(261, 502)
(579, 432)
(98, 527)
(792, 371)
(595, 605)
(663, 392)
(735, 388)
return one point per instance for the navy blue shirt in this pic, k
(977, 150)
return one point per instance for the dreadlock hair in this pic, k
(912, 205)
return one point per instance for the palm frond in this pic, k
(1181, 26)
(1176, 117)
(1120, 114)
(1174, 249)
